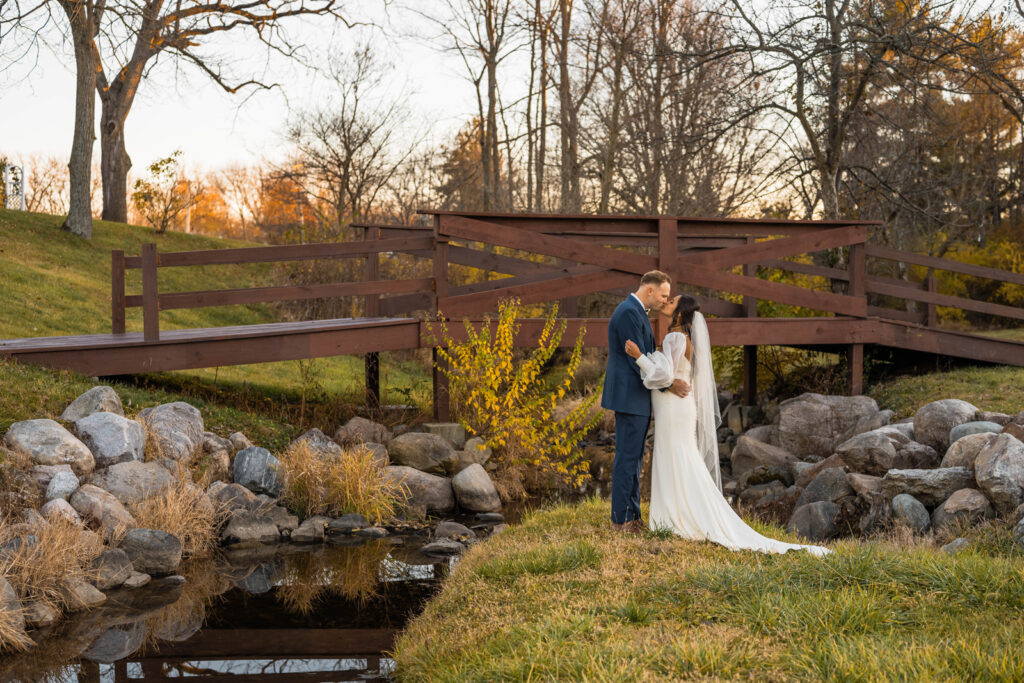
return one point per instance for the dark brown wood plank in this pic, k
(946, 343)
(537, 292)
(791, 331)
(947, 300)
(495, 263)
(777, 248)
(117, 302)
(944, 264)
(558, 247)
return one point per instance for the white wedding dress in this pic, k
(685, 484)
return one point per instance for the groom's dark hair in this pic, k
(654, 277)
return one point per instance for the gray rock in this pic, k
(136, 580)
(968, 428)
(1001, 419)
(867, 423)
(111, 438)
(175, 430)
(815, 521)
(878, 514)
(260, 580)
(47, 443)
(319, 443)
(763, 433)
(425, 452)
(864, 484)
(96, 505)
(372, 532)
(62, 485)
(43, 474)
(257, 470)
(434, 493)
(805, 472)
(239, 441)
(360, 430)
(750, 453)
(478, 450)
(933, 421)
(233, 497)
(152, 551)
(752, 495)
(931, 487)
(452, 432)
(79, 594)
(133, 482)
(100, 399)
(1018, 533)
(245, 526)
(219, 466)
(905, 427)
(490, 517)
(212, 443)
(62, 508)
(999, 469)
(811, 424)
(964, 451)
(443, 547)
(883, 449)
(452, 530)
(475, 491)
(347, 524)
(312, 530)
(38, 615)
(965, 505)
(112, 568)
(286, 522)
(116, 643)
(11, 607)
(830, 485)
(910, 511)
(179, 630)
(955, 546)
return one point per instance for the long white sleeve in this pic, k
(656, 369)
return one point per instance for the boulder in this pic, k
(152, 551)
(750, 453)
(320, 443)
(62, 485)
(79, 594)
(955, 546)
(830, 485)
(44, 474)
(245, 526)
(864, 484)
(999, 469)
(977, 427)
(360, 430)
(111, 438)
(763, 474)
(100, 399)
(452, 432)
(964, 451)
(475, 491)
(910, 511)
(219, 468)
(212, 443)
(805, 472)
(347, 524)
(136, 580)
(372, 532)
(312, 530)
(764, 434)
(133, 482)
(751, 495)
(286, 522)
(11, 606)
(47, 443)
(777, 502)
(62, 508)
(99, 506)
(257, 470)
(432, 492)
(478, 450)
(934, 421)
(175, 430)
(883, 449)
(1001, 419)
(878, 513)
(233, 497)
(453, 530)
(380, 452)
(811, 424)
(443, 547)
(116, 643)
(425, 452)
(905, 427)
(1015, 430)
(815, 521)
(967, 505)
(111, 569)
(38, 615)
(239, 441)
(931, 487)
(868, 423)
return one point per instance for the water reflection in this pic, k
(273, 613)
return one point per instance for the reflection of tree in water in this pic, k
(352, 573)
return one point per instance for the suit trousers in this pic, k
(630, 435)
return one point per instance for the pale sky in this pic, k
(215, 129)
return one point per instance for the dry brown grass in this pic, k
(12, 635)
(37, 572)
(353, 482)
(186, 512)
(352, 573)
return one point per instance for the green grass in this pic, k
(999, 388)
(652, 608)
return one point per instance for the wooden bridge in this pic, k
(542, 258)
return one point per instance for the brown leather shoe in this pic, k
(636, 526)
(621, 528)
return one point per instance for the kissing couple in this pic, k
(678, 383)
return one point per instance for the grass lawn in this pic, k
(999, 388)
(562, 597)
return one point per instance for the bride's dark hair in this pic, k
(683, 315)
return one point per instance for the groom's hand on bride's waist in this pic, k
(680, 388)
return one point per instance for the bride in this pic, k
(685, 483)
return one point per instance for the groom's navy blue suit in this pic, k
(624, 392)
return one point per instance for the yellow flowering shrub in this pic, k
(506, 398)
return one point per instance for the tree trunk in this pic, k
(83, 29)
(569, 190)
(114, 163)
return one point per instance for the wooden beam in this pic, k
(953, 301)
(750, 351)
(855, 369)
(150, 301)
(371, 361)
(441, 389)
(537, 292)
(117, 302)
(776, 248)
(944, 264)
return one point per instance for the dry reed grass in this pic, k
(352, 482)
(12, 633)
(186, 512)
(351, 573)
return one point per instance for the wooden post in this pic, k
(668, 262)
(855, 352)
(150, 302)
(371, 360)
(750, 352)
(442, 406)
(932, 317)
(117, 304)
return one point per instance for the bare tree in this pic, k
(46, 187)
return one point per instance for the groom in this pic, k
(625, 393)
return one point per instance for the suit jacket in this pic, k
(624, 390)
